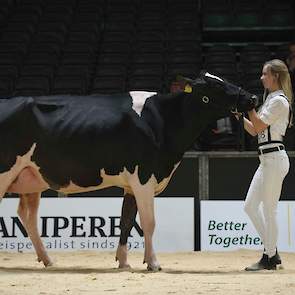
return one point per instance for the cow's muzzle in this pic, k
(247, 103)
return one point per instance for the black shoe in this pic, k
(277, 258)
(263, 263)
(274, 261)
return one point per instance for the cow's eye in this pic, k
(205, 99)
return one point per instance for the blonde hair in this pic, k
(279, 68)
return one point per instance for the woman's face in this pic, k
(269, 80)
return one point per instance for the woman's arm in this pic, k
(257, 124)
(249, 126)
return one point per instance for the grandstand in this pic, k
(106, 46)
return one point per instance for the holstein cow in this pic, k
(134, 141)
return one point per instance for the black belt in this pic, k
(270, 150)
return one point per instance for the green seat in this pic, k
(217, 20)
(247, 19)
(281, 19)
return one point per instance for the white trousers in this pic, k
(263, 196)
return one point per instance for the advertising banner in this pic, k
(67, 224)
(225, 226)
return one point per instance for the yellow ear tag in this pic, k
(188, 88)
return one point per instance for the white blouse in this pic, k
(275, 113)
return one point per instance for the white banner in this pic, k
(93, 224)
(225, 226)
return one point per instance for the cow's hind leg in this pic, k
(144, 195)
(28, 212)
(128, 215)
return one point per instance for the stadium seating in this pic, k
(29, 86)
(83, 47)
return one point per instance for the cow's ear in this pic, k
(207, 76)
(188, 88)
(203, 73)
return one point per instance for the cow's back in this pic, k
(76, 116)
(82, 135)
(77, 136)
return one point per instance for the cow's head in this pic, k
(219, 93)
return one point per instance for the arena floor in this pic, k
(183, 273)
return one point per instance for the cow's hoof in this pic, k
(151, 267)
(152, 263)
(122, 264)
(125, 266)
(121, 256)
(49, 265)
(46, 262)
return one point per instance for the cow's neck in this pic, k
(184, 118)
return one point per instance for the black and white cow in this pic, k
(134, 141)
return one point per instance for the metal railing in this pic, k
(204, 157)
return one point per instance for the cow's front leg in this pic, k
(128, 215)
(144, 195)
(28, 212)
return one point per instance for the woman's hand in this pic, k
(237, 114)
